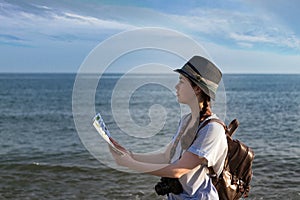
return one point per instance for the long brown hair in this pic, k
(206, 106)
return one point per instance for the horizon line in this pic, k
(147, 73)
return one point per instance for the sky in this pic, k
(241, 36)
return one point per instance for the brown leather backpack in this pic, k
(234, 181)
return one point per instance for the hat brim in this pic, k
(205, 90)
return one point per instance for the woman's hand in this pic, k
(118, 146)
(124, 159)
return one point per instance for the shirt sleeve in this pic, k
(210, 143)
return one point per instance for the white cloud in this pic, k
(34, 26)
(249, 61)
(75, 20)
(203, 23)
(250, 38)
(234, 28)
(239, 28)
(243, 29)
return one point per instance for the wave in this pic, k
(51, 168)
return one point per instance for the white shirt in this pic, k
(210, 143)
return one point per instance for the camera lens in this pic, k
(162, 189)
(168, 185)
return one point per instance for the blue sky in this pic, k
(242, 36)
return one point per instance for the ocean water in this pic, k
(43, 157)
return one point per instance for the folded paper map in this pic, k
(100, 126)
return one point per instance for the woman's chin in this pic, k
(179, 100)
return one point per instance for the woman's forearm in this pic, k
(187, 162)
(143, 167)
(161, 170)
(159, 157)
(155, 158)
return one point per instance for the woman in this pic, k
(191, 151)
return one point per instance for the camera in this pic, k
(168, 185)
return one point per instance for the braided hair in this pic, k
(206, 109)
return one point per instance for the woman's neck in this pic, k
(195, 110)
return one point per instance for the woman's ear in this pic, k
(197, 90)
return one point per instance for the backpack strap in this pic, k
(232, 127)
(211, 170)
(230, 130)
(212, 120)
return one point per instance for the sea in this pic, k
(44, 154)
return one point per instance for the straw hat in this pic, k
(203, 73)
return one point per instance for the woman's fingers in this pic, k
(118, 146)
